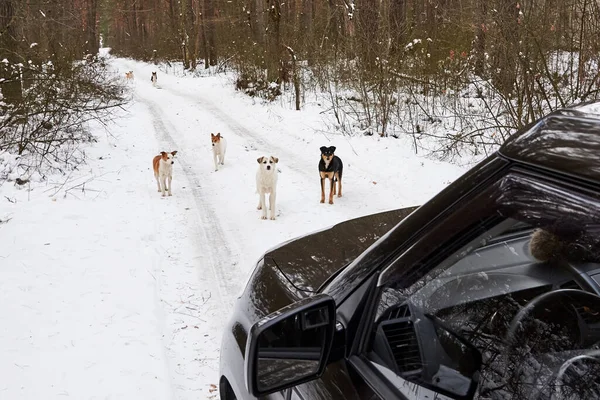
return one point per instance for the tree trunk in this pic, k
(257, 20)
(480, 38)
(9, 46)
(295, 77)
(202, 31)
(306, 26)
(274, 40)
(91, 35)
(398, 24)
(211, 32)
(191, 33)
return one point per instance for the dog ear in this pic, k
(163, 153)
(260, 159)
(323, 149)
(332, 149)
(174, 152)
(219, 135)
(275, 159)
(212, 135)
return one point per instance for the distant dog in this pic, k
(154, 79)
(219, 146)
(163, 170)
(266, 183)
(129, 75)
(330, 167)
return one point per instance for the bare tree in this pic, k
(53, 80)
(10, 86)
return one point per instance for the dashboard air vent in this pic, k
(400, 312)
(403, 343)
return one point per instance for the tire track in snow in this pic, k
(246, 133)
(212, 237)
(238, 129)
(243, 132)
(191, 354)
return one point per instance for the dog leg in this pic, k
(339, 187)
(322, 190)
(163, 184)
(170, 180)
(272, 197)
(331, 190)
(157, 182)
(334, 181)
(223, 158)
(263, 206)
(215, 159)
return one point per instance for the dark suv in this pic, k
(488, 291)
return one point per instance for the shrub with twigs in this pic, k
(49, 121)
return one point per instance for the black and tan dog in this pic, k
(330, 167)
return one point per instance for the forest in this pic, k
(463, 74)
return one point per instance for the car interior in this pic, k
(533, 322)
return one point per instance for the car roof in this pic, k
(566, 141)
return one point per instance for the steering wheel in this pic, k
(575, 295)
(561, 385)
(561, 296)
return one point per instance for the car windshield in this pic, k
(481, 297)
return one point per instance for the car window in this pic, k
(483, 295)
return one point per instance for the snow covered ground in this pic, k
(108, 291)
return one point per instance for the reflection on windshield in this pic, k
(480, 296)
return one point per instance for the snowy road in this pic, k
(108, 290)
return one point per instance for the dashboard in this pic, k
(478, 298)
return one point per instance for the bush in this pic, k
(56, 103)
(255, 86)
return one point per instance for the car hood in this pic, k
(311, 260)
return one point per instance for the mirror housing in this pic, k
(290, 346)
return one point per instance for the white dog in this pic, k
(163, 170)
(154, 78)
(219, 146)
(266, 182)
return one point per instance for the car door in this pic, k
(521, 196)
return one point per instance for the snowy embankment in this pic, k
(108, 290)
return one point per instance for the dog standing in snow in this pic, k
(266, 183)
(153, 79)
(219, 146)
(163, 170)
(129, 75)
(330, 167)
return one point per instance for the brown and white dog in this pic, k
(154, 78)
(330, 167)
(219, 146)
(266, 183)
(163, 170)
(129, 75)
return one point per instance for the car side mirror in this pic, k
(290, 346)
